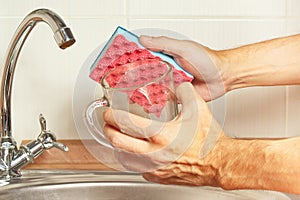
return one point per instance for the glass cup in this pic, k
(144, 88)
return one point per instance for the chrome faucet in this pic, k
(13, 159)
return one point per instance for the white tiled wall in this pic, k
(205, 8)
(293, 108)
(46, 75)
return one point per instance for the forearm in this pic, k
(268, 63)
(259, 164)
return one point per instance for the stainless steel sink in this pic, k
(66, 185)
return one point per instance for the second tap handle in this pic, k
(60, 146)
(42, 122)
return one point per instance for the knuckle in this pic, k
(106, 114)
(115, 141)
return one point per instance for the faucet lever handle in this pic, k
(42, 122)
(47, 138)
(60, 146)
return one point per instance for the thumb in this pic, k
(163, 44)
(189, 98)
(187, 94)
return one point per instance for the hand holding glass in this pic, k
(143, 87)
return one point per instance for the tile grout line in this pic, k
(127, 13)
(170, 17)
(195, 17)
(286, 87)
(286, 109)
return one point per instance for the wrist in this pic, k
(217, 158)
(241, 163)
(222, 61)
(261, 64)
(210, 169)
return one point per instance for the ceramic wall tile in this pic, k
(177, 8)
(293, 26)
(293, 111)
(65, 8)
(293, 8)
(293, 104)
(258, 112)
(221, 33)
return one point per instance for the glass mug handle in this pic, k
(89, 120)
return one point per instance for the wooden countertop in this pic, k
(77, 158)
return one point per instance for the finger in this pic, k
(136, 162)
(125, 142)
(150, 177)
(131, 124)
(164, 44)
(162, 177)
(167, 177)
(188, 96)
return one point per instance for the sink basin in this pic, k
(64, 185)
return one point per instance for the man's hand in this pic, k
(200, 61)
(177, 151)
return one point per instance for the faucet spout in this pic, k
(62, 34)
(64, 38)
